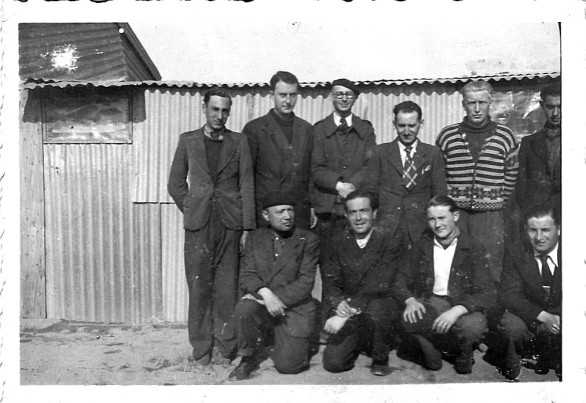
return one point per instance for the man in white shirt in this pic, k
(531, 294)
(446, 288)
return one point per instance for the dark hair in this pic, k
(551, 90)
(442, 200)
(285, 77)
(357, 194)
(408, 107)
(542, 210)
(217, 92)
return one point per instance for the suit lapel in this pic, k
(539, 147)
(419, 159)
(395, 157)
(229, 148)
(289, 252)
(198, 148)
(283, 147)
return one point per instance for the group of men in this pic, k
(408, 236)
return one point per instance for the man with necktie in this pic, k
(531, 295)
(405, 174)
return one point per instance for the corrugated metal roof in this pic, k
(43, 82)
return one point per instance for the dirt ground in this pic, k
(77, 353)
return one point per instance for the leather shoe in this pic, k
(244, 369)
(432, 357)
(463, 365)
(512, 374)
(380, 369)
(542, 367)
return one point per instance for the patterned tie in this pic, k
(546, 277)
(409, 171)
(343, 127)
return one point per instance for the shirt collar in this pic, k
(413, 146)
(208, 132)
(337, 119)
(553, 255)
(362, 242)
(439, 245)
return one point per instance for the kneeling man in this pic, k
(446, 286)
(277, 273)
(358, 274)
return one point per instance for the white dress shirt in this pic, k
(338, 119)
(552, 260)
(362, 242)
(442, 264)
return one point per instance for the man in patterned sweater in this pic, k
(481, 161)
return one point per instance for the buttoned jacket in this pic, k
(192, 185)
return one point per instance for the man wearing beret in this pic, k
(276, 277)
(211, 181)
(280, 146)
(446, 287)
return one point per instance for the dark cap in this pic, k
(278, 199)
(422, 325)
(344, 82)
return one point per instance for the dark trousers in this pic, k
(257, 329)
(516, 336)
(468, 329)
(371, 331)
(211, 268)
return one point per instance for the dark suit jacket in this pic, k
(290, 276)
(233, 190)
(329, 163)
(537, 183)
(385, 177)
(470, 283)
(521, 290)
(280, 166)
(361, 274)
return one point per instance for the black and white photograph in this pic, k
(254, 201)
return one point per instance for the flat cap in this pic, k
(278, 199)
(344, 82)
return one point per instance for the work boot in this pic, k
(244, 369)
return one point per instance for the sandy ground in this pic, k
(78, 353)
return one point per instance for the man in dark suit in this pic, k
(540, 172)
(406, 173)
(531, 294)
(281, 145)
(211, 181)
(358, 275)
(276, 277)
(446, 287)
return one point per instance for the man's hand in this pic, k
(272, 302)
(344, 188)
(414, 310)
(551, 322)
(334, 324)
(312, 218)
(243, 241)
(443, 323)
(344, 310)
(252, 297)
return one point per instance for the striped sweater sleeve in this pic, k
(511, 160)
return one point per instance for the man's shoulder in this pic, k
(538, 135)
(302, 122)
(323, 122)
(257, 122)
(448, 131)
(306, 235)
(191, 133)
(428, 148)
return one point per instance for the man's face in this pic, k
(407, 125)
(217, 111)
(552, 107)
(285, 97)
(476, 104)
(280, 218)
(343, 99)
(360, 215)
(543, 234)
(442, 221)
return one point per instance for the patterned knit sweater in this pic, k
(484, 184)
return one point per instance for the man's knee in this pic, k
(246, 308)
(382, 309)
(511, 326)
(292, 358)
(472, 326)
(334, 361)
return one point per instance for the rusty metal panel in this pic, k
(89, 232)
(175, 294)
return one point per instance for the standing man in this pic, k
(343, 145)
(531, 294)
(277, 276)
(446, 287)
(281, 145)
(481, 159)
(406, 173)
(211, 181)
(358, 275)
(540, 170)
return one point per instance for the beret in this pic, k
(422, 325)
(278, 199)
(344, 82)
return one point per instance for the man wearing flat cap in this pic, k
(446, 288)
(277, 274)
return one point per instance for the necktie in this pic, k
(546, 277)
(409, 171)
(343, 127)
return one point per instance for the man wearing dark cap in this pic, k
(446, 287)
(280, 146)
(405, 174)
(277, 273)
(211, 181)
